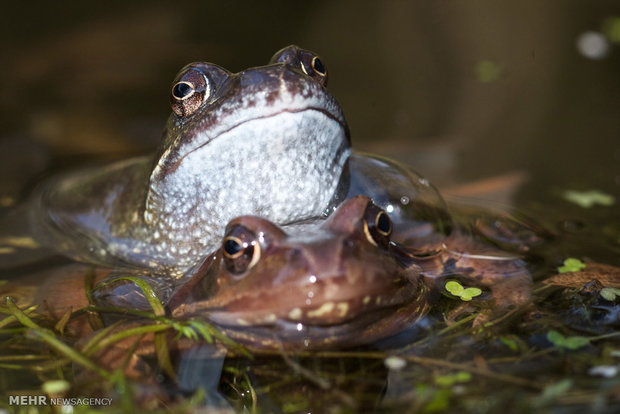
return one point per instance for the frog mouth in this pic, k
(248, 122)
(326, 326)
(365, 328)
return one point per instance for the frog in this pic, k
(335, 283)
(269, 140)
(339, 283)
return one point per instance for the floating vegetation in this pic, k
(572, 342)
(587, 199)
(610, 293)
(466, 294)
(571, 265)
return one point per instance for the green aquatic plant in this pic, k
(587, 199)
(610, 294)
(450, 379)
(568, 342)
(31, 326)
(571, 265)
(55, 386)
(466, 294)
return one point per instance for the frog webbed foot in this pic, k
(132, 291)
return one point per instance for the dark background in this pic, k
(93, 78)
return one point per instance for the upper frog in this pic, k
(270, 141)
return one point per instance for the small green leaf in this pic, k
(466, 294)
(510, 343)
(454, 287)
(451, 379)
(571, 265)
(570, 342)
(553, 391)
(470, 292)
(555, 337)
(587, 199)
(439, 403)
(576, 342)
(55, 386)
(610, 294)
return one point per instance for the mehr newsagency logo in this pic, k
(59, 401)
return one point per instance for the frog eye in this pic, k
(313, 66)
(377, 226)
(240, 249)
(318, 67)
(188, 93)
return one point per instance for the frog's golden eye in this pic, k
(318, 66)
(313, 66)
(377, 226)
(188, 93)
(240, 249)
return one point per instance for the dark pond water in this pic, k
(461, 91)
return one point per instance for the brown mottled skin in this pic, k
(263, 307)
(324, 286)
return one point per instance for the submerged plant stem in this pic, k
(75, 356)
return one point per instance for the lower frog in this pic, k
(329, 284)
(338, 284)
